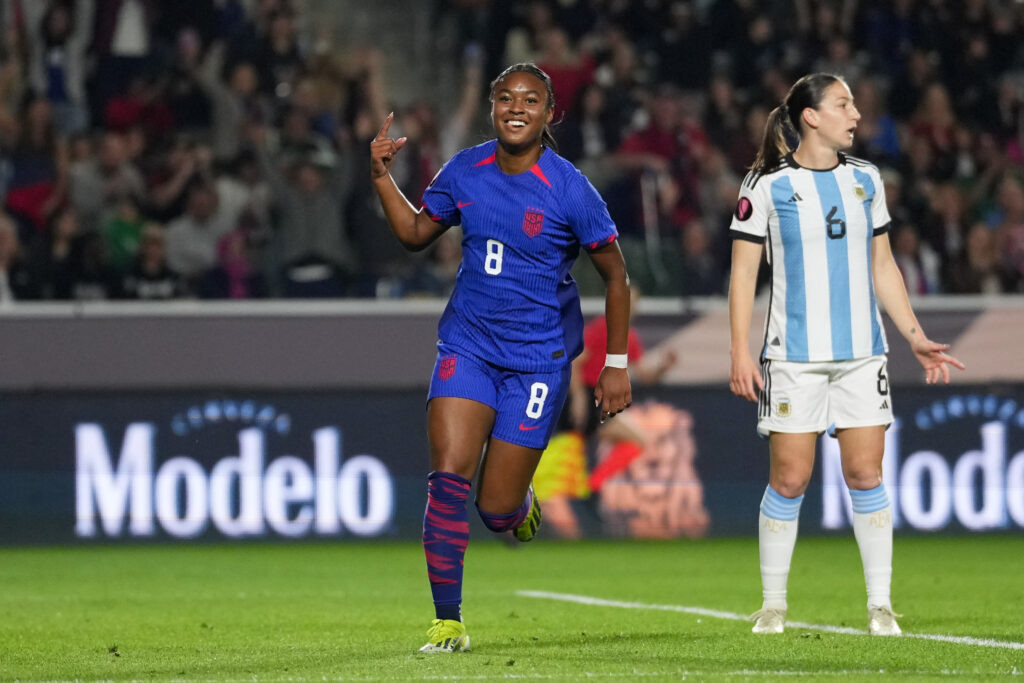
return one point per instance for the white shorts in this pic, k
(800, 398)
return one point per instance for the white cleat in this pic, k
(882, 622)
(769, 620)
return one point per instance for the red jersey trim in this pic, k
(535, 169)
(594, 245)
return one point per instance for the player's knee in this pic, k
(497, 522)
(790, 484)
(863, 480)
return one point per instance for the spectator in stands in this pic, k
(192, 238)
(744, 146)
(919, 265)
(934, 122)
(878, 135)
(51, 255)
(590, 134)
(57, 35)
(684, 47)
(945, 222)
(236, 101)
(1010, 230)
(236, 274)
(723, 113)
(149, 277)
(98, 182)
(571, 68)
(16, 282)
(316, 257)
(698, 269)
(278, 57)
(187, 100)
(1005, 116)
(523, 42)
(664, 147)
(978, 269)
(172, 174)
(123, 231)
(717, 188)
(123, 45)
(38, 159)
(92, 278)
(623, 77)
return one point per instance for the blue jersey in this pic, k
(515, 305)
(818, 227)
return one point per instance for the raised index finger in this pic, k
(383, 132)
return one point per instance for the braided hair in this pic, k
(547, 138)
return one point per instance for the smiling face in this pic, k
(835, 119)
(520, 108)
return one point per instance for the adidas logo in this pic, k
(796, 197)
(885, 405)
(776, 342)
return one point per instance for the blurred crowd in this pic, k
(152, 149)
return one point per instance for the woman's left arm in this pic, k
(892, 294)
(613, 393)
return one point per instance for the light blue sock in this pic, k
(777, 506)
(872, 500)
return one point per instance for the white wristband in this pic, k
(616, 360)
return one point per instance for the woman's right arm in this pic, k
(413, 227)
(744, 376)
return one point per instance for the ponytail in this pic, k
(785, 118)
(774, 145)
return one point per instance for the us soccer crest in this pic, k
(533, 222)
(782, 408)
(447, 368)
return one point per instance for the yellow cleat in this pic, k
(446, 635)
(528, 529)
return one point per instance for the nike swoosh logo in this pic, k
(463, 205)
(524, 428)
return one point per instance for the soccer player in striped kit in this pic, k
(822, 217)
(512, 326)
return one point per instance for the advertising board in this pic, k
(107, 467)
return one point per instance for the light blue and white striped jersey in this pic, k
(818, 227)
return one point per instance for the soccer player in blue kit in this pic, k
(512, 326)
(823, 219)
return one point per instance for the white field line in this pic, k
(719, 614)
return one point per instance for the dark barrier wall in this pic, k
(136, 466)
(388, 344)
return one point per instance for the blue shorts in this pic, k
(528, 404)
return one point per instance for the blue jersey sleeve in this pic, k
(439, 197)
(588, 214)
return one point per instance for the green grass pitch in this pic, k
(358, 611)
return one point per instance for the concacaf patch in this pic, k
(744, 209)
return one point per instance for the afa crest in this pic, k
(533, 222)
(782, 409)
(860, 192)
(446, 368)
